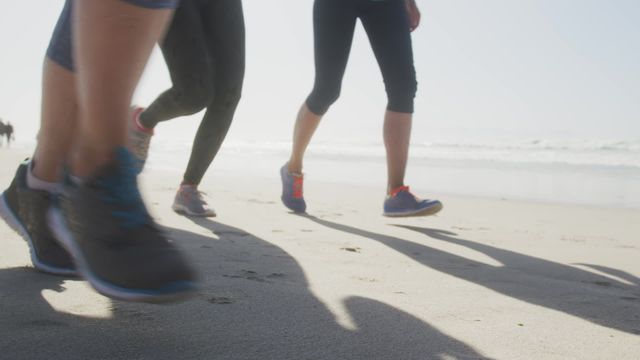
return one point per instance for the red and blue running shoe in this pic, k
(402, 203)
(292, 196)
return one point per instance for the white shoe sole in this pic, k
(428, 211)
(183, 210)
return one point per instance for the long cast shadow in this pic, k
(589, 296)
(254, 303)
(310, 330)
(32, 329)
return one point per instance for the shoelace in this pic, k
(121, 190)
(192, 192)
(297, 187)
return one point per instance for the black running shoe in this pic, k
(25, 211)
(115, 243)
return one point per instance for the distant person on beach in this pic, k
(98, 227)
(388, 24)
(205, 53)
(6, 130)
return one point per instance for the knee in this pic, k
(322, 98)
(192, 99)
(401, 96)
(226, 97)
(230, 95)
(191, 104)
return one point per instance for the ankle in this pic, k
(45, 172)
(36, 183)
(394, 190)
(86, 162)
(294, 168)
(187, 186)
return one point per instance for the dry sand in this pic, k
(487, 278)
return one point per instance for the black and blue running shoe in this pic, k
(25, 210)
(114, 242)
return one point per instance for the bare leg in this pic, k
(397, 135)
(306, 125)
(114, 40)
(58, 121)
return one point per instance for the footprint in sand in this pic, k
(460, 228)
(134, 314)
(276, 276)
(220, 300)
(231, 233)
(261, 202)
(599, 283)
(46, 323)
(247, 275)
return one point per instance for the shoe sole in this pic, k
(183, 210)
(428, 211)
(297, 211)
(176, 292)
(16, 225)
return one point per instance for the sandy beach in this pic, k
(485, 279)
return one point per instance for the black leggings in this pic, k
(205, 52)
(387, 27)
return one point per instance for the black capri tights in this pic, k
(387, 26)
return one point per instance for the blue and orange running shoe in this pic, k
(292, 194)
(402, 203)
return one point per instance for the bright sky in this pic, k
(525, 68)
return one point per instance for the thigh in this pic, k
(387, 26)
(334, 23)
(184, 48)
(224, 29)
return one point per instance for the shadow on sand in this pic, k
(586, 295)
(254, 304)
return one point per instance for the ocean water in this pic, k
(605, 173)
(602, 173)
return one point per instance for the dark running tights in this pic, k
(387, 27)
(205, 53)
